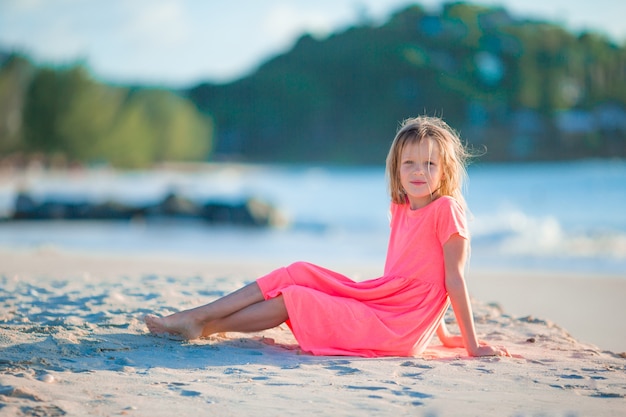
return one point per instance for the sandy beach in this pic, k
(72, 343)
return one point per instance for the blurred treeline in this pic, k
(527, 90)
(61, 116)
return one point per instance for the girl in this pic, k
(395, 315)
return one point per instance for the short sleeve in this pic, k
(451, 220)
(391, 214)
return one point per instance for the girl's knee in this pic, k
(298, 267)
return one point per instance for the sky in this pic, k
(178, 43)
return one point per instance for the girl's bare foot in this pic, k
(181, 324)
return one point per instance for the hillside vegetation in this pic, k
(526, 90)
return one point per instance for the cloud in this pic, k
(21, 6)
(144, 40)
(156, 23)
(284, 22)
(51, 32)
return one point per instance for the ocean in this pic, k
(554, 217)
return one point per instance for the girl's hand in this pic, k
(457, 342)
(488, 350)
(452, 341)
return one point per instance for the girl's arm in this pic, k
(455, 255)
(447, 339)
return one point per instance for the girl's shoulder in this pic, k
(449, 204)
(447, 201)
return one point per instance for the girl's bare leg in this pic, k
(190, 324)
(256, 317)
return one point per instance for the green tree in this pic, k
(69, 113)
(179, 131)
(129, 142)
(91, 112)
(15, 76)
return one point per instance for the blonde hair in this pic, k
(454, 156)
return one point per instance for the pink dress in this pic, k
(394, 315)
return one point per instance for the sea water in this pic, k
(557, 216)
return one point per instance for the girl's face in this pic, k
(421, 172)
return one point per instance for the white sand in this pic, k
(72, 343)
(591, 308)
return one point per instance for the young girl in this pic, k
(395, 315)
